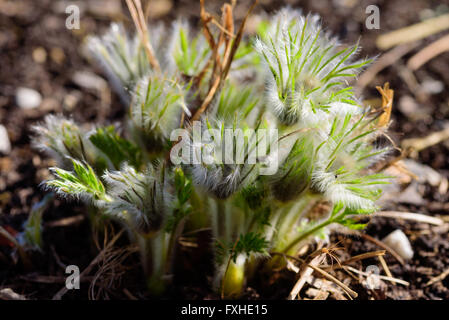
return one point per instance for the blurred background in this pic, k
(44, 69)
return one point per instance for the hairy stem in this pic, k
(312, 231)
(155, 255)
(234, 278)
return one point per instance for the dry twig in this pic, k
(98, 258)
(306, 273)
(410, 216)
(351, 293)
(135, 8)
(222, 64)
(360, 257)
(431, 51)
(385, 266)
(386, 60)
(110, 271)
(65, 221)
(414, 32)
(418, 144)
(22, 253)
(438, 278)
(383, 246)
(366, 274)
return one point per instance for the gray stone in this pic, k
(27, 98)
(5, 145)
(398, 241)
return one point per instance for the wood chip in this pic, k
(348, 291)
(317, 294)
(305, 274)
(326, 285)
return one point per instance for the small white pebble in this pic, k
(27, 98)
(432, 86)
(5, 145)
(398, 241)
(89, 80)
(408, 105)
(8, 294)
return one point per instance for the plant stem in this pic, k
(234, 278)
(306, 235)
(155, 259)
(311, 231)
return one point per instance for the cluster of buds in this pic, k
(291, 78)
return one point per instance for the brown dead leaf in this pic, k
(387, 104)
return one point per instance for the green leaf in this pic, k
(249, 243)
(32, 235)
(352, 224)
(81, 182)
(183, 39)
(254, 195)
(182, 207)
(116, 148)
(183, 186)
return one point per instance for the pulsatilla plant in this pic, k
(261, 193)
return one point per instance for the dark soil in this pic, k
(27, 25)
